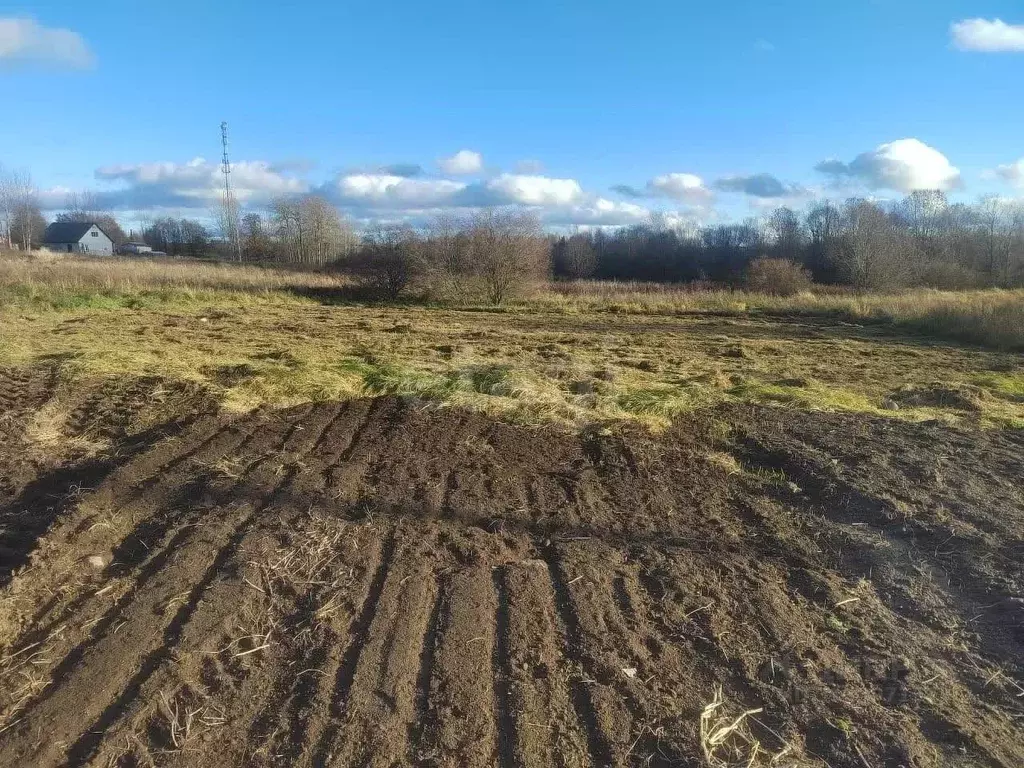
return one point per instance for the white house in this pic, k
(78, 237)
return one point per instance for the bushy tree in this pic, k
(509, 252)
(390, 261)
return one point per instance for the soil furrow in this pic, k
(325, 748)
(381, 583)
(380, 707)
(301, 437)
(583, 700)
(158, 533)
(549, 730)
(292, 720)
(428, 659)
(87, 667)
(505, 712)
(344, 479)
(458, 729)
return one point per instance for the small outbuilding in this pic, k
(135, 248)
(78, 237)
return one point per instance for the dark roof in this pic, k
(69, 231)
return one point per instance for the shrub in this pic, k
(777, 277)
(389, 262)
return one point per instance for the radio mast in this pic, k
(230, 212)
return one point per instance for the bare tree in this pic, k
(994, 223)
(324, 229)
(256, 241)
(1015, 263)
(447, 258)
(786, 232)
(228, 224)
(580, 261)
(311, 231)
(178, 236)
(825, 225)
(28, 224)
(16, 194)
(509, 252)
(869, 256)
(194, 237)
(287, 219)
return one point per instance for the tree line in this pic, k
(921, 240)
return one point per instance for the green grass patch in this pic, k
(394, 379)
(1009, 386)
(660, 402)
(814, 395)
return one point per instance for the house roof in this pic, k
(69, 231)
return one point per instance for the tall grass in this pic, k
(992, 317)
(46, 279)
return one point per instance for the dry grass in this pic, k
(47, 432)
(993, 318)
(52, 280)
(313, 565)
(183, 716)
(23, 675)
(727, 741)
(575, 353)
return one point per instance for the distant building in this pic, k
(135, 248)
(78, 237)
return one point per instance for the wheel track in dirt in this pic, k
(134, 551)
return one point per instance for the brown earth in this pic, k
(381, 583)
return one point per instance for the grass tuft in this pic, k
(727, 741)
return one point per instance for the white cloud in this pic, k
(373, 195)
(995, 36)
(465, 161)
(195, 184)
(1011, 172)
(598, 212)
(904, 166)
(25, 41)
(511, 188)
(680, 186)
(387, 190)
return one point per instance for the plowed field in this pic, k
(382, 583)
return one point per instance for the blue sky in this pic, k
(593, 112)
